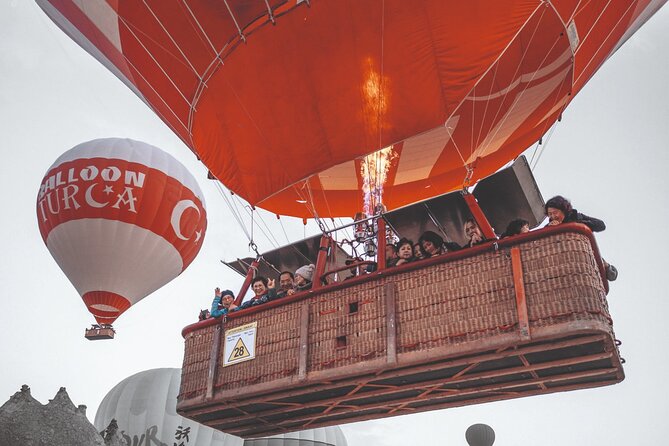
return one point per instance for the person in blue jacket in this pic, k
(223, 302)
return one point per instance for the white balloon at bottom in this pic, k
(144, 405)
(322, 436)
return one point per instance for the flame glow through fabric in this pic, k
(282, 100)
(121, 218)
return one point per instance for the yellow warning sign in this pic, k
(239, 351)
(240, 344)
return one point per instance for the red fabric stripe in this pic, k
(105, 298)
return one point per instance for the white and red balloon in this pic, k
(121, 218)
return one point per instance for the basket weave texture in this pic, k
(456, 303)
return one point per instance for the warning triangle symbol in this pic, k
(239, 351)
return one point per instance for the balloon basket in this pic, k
(98, 332)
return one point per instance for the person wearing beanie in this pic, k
(223, 302)
(559, 210)
(304, 277)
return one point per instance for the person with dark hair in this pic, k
(559, 210)
(432, 244)
(391, 255)
(286, 284)
(515, 227)
(356, 270)
(418, 251)
(264, 291)
(404, 251)
(473, 233)
(223, 303)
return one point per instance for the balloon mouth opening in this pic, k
(105, 306)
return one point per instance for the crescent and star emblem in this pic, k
(177, 214)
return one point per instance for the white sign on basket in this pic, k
(240, 344)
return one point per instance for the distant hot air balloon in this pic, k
(144, 404)
(121, 218)
(480, 435)
(440, 92)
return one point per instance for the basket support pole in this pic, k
(381, 252)
(304, 342)
(391, 323)
(479, 216)
(519, 287)
(247, 282)
(323, 250)
(213, 359)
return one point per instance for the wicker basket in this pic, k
(525, 317)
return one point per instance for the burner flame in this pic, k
(374, 171)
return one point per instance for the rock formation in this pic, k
(24, 421)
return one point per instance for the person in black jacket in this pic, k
(559, 210)
(516, 227)
(433, 245)
(473, 233)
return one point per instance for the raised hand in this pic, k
(217, 292)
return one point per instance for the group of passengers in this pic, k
(431, 244)
(264, 290)
(558, 210)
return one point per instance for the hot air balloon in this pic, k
(443, 92)
(144, 405)
(121, 218)
(323, 436)
(480, 435)
(325, 108)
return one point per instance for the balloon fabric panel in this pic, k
(277, 101)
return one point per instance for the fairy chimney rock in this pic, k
(25, 421)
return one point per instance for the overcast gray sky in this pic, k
(609, 155)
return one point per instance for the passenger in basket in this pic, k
(404, 252)
(473, 233)
(515, 227)
(418, 252)
(391, 254)
(286, 284)
(433, 245)
(224, 301)
(303, 277)
(264, 292)
(559, 210)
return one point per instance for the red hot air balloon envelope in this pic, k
(456, 88)
(122, 218)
